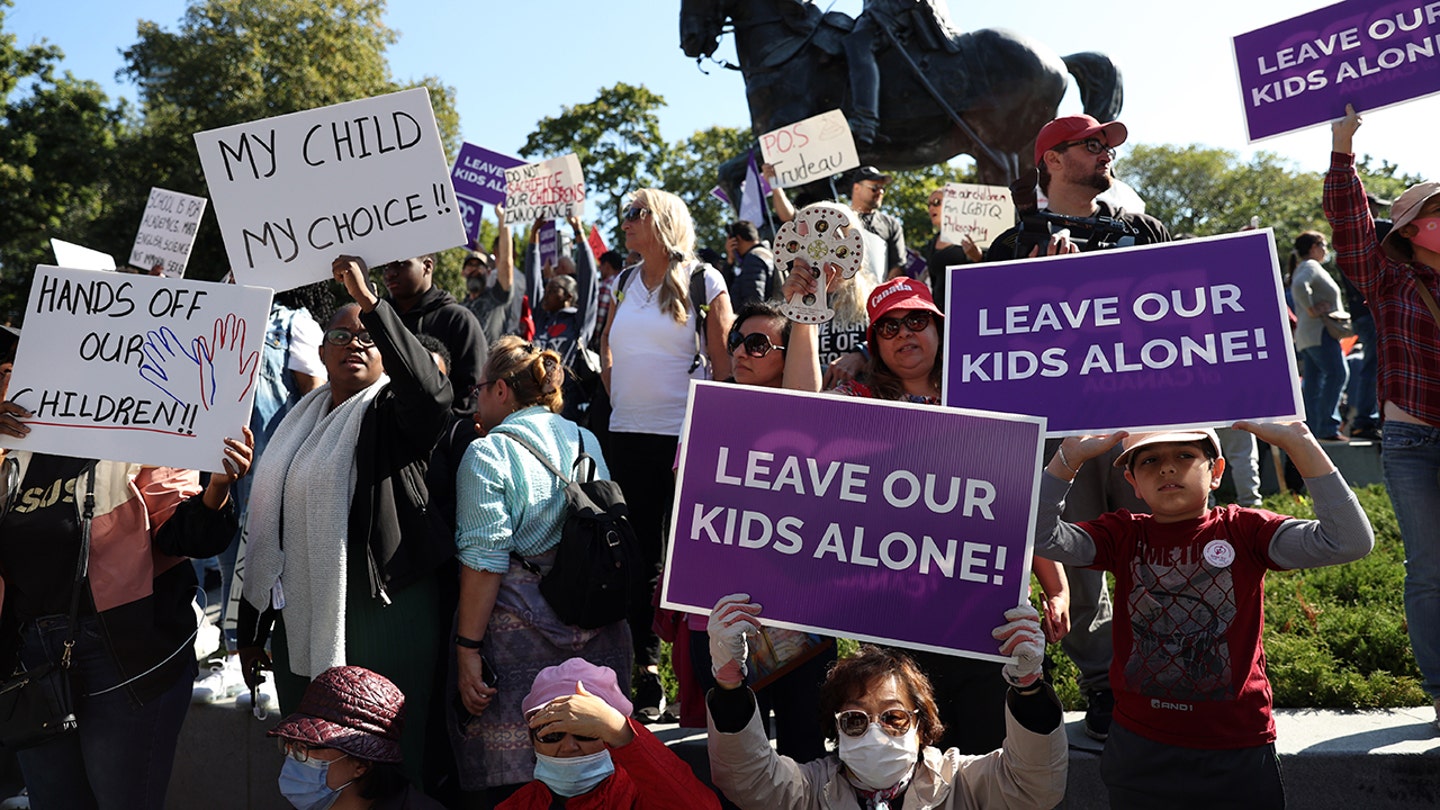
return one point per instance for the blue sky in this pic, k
(513, 63)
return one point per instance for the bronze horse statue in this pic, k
(1001, 86)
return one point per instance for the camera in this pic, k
(1036, 226)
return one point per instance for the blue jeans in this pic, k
(1322, 379)
(1364, 406)
(1412, 476)
(122, 755)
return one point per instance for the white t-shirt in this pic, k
(651, 356)
(305, 337)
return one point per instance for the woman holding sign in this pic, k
(658, 337)
(133, 629)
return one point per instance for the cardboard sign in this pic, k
(1143, 338)
(887, 522)
(478, 178)
(810, 150)
(367, 178)
(69, 254)
(167, 232)
(553, 189)
(979, 212)
(1304, 70)
(133, 368)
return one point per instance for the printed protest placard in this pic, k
(478, 178)
(1182, 333)
(887, 522)
(1304, 70)
(979, 212)
(167, 231)
(553, 189)
(136, 368)
(69, 254)
(367, 178)
(549, 238)
(810, 150)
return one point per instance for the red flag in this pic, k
(597, 242)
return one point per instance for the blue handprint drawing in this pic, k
(170, 363)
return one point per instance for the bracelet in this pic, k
(1065, 462)
(467, 643)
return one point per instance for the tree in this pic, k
(691, 170)
(233, 61)
(57, 139)
(617, 140)
(909, 190)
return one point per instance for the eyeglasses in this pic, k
(756, 344)
(915, 321)
(300, 752)
(635, 212)
(481, 386)
(1092, 145)
(895, 722)
(878, 189)
(935, 203)
(553, 737)
(342, 337)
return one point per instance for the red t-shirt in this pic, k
(1189, 668)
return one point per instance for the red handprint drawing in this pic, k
(226, 370)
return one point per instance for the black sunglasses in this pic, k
(342, 337)
(915, 321)
(895, 722)
(552, 737)
(756, 344)
(635, 212)
(1092, 145)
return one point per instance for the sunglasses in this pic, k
(895, 722)
(756, 344)
(342, 337)
(935, 203)
(550, 738)
(916, 321)
(1092, 145)
(635, 212)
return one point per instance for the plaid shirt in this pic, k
(1409, 336)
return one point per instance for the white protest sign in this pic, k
(552, 189)
(810, 150)
(70, 254)
(367, 178)
(133, 368)
(979, 212)
(167, 232)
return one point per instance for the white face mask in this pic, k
(877, 760)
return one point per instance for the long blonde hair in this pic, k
(673, 226)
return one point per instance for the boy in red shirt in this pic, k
(1193, 726)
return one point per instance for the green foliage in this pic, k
(907, 193)
(692, 168)
(617, 140)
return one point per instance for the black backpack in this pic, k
(599, 572)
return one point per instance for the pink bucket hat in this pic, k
(559, 681)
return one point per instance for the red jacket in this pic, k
(648, 776)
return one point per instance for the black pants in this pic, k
(643, 464)
(1142, 773)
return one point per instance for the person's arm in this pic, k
(1056, 587)
(802, 348)
(1341, 531)
(504, 253)
(1054, 538)
(717, 327)
(478, 591)
(784, 209)
(1357, 250)
(1300, 290)
(484, 532)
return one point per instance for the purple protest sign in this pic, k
(1181, 333)
(1304, 70)
(549, 239)
(888, 522)
(479, 177)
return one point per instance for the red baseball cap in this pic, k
(1076, 128)
(900, 293)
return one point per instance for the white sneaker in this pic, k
(266, 694)
(17, 802)
(222, 682)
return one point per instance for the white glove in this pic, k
(1022, 638)
(731, 624)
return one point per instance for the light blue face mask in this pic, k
(572, 776)
(303, 784)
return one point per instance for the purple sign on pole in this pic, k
(1181, 333)
(888, 522)
(1303, 71)
(549, 238)
(479, 177)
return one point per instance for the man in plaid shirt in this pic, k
(1397, 275)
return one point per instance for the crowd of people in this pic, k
(388, 542)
